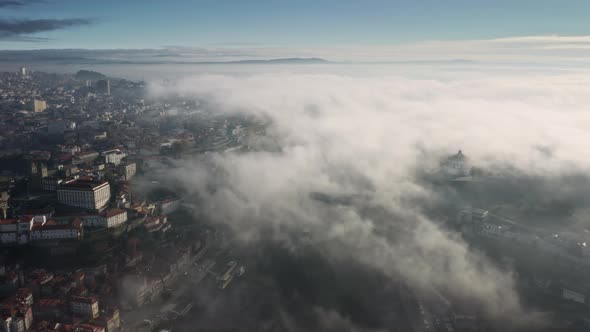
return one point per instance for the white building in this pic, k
(106, 219)
(84, 306)
(87, 194)
(70, 149)
(51, 230)
(456, 165)
(128, 170)
(85, 157)
(114, 156)
(170, 205)
(15, 231)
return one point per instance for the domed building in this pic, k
(456, 165)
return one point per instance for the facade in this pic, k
(128, 170)
(51, 230)
(456, 165)
(37, 170)
(84, 306)
(50, 308)
(24, 296)
(15, 317)
(17, 324)
(121, 200)
(156, 224)
(4, 197)
(50, 183)
(86, 194)
(137, 290)
(39, 105)
(15, 231)
(106, 219)
(110, 320)
(170, 205)
(70, 149)
(67, 170)
(114, 157)
(85, 157)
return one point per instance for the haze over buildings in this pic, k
(304, 166)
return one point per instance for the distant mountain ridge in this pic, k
(278, 61)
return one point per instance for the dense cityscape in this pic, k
(82, 248)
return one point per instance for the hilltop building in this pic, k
(456, 165)
(51, 230)
(86, 194)
(113, 156)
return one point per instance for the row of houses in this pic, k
(107, 219)
(25, 229)
(28, 229)
(46, 225)
(57, 299)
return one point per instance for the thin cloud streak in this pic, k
(20, 29)
(17, 3)
(541, 50)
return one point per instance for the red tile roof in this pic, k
(82, 184)
(8, 221)
(53, 225)
(112, 213)
(50, 302)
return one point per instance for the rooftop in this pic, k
(82, 184)
(53, 225)
(112, 213)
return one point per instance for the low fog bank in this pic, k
(349, 175)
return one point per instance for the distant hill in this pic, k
(284, 61)
(89, 75)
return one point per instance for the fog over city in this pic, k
(298, 166)
(371, 140)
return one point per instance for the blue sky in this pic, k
(301, 23)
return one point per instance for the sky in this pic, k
(108, 24)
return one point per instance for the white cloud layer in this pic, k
(367, 136)
(547, 49)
